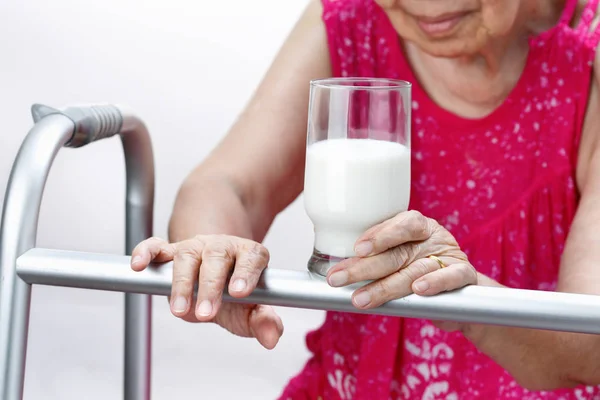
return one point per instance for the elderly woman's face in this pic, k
(450, 28)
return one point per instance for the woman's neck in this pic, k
(473, 86)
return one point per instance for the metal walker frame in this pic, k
(22, 264)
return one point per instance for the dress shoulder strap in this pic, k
(568, 12)
(588, 27)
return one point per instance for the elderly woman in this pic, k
(506, 188)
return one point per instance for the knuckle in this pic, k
(415, 250)
(414, 214)
(253, 261)
(421, 225)
(257, 252)
(400, 223)
(407, 275)
(212, 282)
(425, 230)
(381, 291)
(410, 252)
(404, 254)
(428, 227)
(469, 273)
(218, 249)
(420, 268)
(152, 244)
(365, 269)
(397, 256)
(263, 252)
(417, 221)
(184, 250)
(182, 281)
(416, 270)
(155, 243)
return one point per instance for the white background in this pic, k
(187, 68)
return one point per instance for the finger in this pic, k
(251, 259)
(152, 249)
(186, 265)
(218, 258)
(452, 277)
(410, 226)
(394, 286)
(266, 326)
(378, 266)
(257, 321)
(355, 270)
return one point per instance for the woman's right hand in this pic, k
(209, 260)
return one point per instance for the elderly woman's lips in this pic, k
(441, 25)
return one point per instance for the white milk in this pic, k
(351, 185)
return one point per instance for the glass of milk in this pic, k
(357, 170)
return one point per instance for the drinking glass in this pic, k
(357, 170)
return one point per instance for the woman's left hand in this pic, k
(396, 256)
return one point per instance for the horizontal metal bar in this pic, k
(301, 289)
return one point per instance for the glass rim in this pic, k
(343, 83)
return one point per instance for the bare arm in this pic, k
(546, 359)
(229, 201)
(258, 169)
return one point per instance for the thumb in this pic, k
(265, 325)
(257, 321)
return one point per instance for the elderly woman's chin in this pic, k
(462, 42)
(452, 48)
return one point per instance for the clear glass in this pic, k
(357, 170)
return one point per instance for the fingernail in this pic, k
(180, 304)
(362, 299)
(205, 308)
(239, 285)
(363, 249)
(136, 260)
(421, 286)
(338, 278)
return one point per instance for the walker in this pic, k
(22, 264)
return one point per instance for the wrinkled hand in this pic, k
(394, 254)
(208, 260)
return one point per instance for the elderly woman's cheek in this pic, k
(499, 18)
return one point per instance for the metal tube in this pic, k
(479, 304)
(18, 234)
(139, 211)
(73, 127)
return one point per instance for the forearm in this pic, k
(212, 206)
(538, 359)
(548, 359)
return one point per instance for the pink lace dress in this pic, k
(502, 184)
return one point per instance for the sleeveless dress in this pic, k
(504, 185)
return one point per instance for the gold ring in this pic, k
(442, 265)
